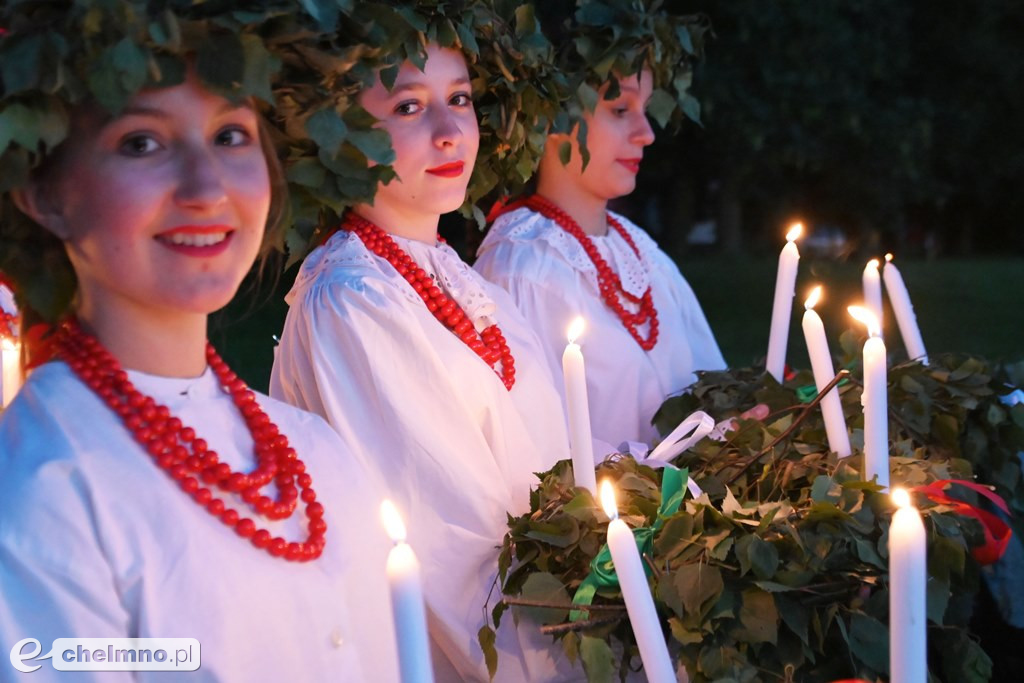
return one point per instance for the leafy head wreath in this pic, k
(606, 40)
(516, 93)
(58, 55)
(302, 62)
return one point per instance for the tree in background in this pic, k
(892, 120)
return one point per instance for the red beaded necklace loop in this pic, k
(188, 459)
(608, 281)
(489, 344)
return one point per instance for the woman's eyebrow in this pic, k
(401, 88)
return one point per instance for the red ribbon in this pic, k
(997, 532)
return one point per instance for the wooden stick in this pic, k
(554, 629)
(522, 602)
(842, 374)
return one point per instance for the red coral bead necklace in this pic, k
(489, 344)
(609, 283)
(188, 460)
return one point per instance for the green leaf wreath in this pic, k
(779, 570)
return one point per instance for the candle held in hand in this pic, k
(821, 365)
(574, 374)
(782, 306)
(403, 572)
(635, 591)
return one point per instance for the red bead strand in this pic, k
(490, 344)
(608, 281)
(188, 459)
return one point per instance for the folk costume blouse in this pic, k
(97, 541)
(457, 449)
(553, 280)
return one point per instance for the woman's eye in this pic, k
(233, 137)
(138, 145)
(461, 99)
(408, 108)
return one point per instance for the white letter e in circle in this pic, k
(18, 658)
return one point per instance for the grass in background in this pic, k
(969, 305)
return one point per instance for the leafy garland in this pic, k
(779, 571)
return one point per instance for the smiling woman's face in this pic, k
(162, 209)
(430, 117)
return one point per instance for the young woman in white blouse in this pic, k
(429, 368)
(145, 491)
(561, 253)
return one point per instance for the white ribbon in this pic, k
(1013, 398)
(698, 425)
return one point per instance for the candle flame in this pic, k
(9, 345)
(611, 508)
(576, 329)
(393, 524)
(888, 258)
(873, 263)
(901, 498)
(795, 231)
(813, 298)
(868, 318)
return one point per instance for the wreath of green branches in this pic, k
(780, 571)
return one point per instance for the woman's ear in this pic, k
(38, 203)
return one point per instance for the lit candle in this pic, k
(875, 401)
(637, 593)
(403, 571)
(904, 311)
(782, 308)
(575, 377)
(908, 657)
(10, 375)
(821, 365)
(873, 290)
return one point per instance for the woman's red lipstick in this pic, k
(450, 170)
(632, 164)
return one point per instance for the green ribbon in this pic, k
(806, 394)
(602, 570)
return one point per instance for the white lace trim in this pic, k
(524, 225)
(439, 261)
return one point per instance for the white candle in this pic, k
(821, 365)
(875, 401)
(10, 375)
(637, 593)
(575, 377)
(872, 282)
(403, 571)
(782, 307)
(908, 656)
(904, 311)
